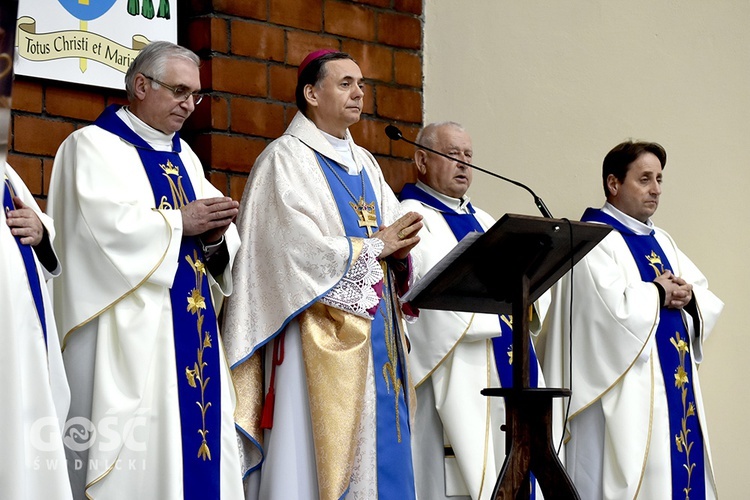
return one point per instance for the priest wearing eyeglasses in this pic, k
(147, 243)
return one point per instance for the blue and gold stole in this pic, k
(461, 225)
(29, 261)
(673, 346)
(193, 319)
(395, 469)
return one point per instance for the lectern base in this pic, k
(530, 449)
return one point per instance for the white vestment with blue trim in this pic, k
(618, 399)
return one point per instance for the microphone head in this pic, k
(393, 133)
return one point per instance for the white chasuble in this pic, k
(294, 253)
(34, 394)
(115, 314)
(461, 448)
(617, 443)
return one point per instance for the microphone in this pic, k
(395, 134)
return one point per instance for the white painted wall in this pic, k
(547, 88)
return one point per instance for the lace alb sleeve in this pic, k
(357, 292)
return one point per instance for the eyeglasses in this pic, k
(179, 93)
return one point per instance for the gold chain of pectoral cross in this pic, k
(365, 211)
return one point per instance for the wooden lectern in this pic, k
(504, 271)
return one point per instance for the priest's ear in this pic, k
(140, 84)
(420, 159)
(613, 186)
(311, 95)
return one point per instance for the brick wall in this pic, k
(250, 51)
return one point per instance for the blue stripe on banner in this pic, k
(673, 346)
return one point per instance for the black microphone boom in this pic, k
(395, 135)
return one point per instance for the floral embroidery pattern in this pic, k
(390, 369)
(196, 303)
(681, 381)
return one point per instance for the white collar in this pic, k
(634, 225)
(155, 138)
(344, 149)
(459, 205)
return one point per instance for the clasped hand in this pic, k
(679, 293)
(209, 217)
(400, 237)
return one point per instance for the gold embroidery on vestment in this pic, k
(195, 376)
(179, 197)
(390, 368)
(655, 262)
(681, 380)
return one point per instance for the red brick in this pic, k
(375, 61)
(121, 99)
(368, 106)
(409, 6)
(27, 96)
(73, 103)
(253, 9)
(38, 135)
(370, 135)
(208, 33)
(304, 14)
(399, 104)
(397, 172)
(403, 149)
(377, 3)
(408, 69)
(220, 181)
(237, 186)
(239, 76)
(257, 40)
(400, 30)
(289, 113)
(299, 44)
(30, 170)
(257, 118)
(283, 83)
(211, 113)
(228, 152)
(350, 20)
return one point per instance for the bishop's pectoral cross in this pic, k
(366, 215)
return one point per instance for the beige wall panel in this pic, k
(546, 88)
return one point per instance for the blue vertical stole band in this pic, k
(673, 346)
(29, 262)
(461, 225)
(193, 319)
(395, 469)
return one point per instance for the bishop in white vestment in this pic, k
(316, 303)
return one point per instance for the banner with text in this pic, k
(89, 41)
